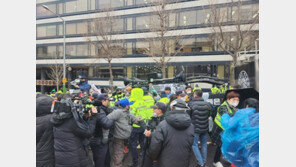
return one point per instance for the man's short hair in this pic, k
(198, 93)
(167, 88)
(188, 87)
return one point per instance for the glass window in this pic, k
(82, 28)
(52, 51)
(92, 4)
(129, 2)
(140, 2)
(117, 3)
(41, 51)
(188, 45)
(142, 22)
(172, 19)
(81, 5)
(61, 8)
(70, 7)
(142, 47)
(41, 11)
(104, 72)
(92, 50)
(82, 50)
(203, 44)
(71, 29)
(187, 18)
(60, 51)
(104, 4)
(60, 29)
(129, 48)
(41, 31)
(71, 50)
(118, 25)
(51, 30)
(202, 16)
(129, 24)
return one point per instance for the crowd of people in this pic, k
(159, 128)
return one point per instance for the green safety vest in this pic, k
(215, 90)
(218, 116)
(139, 110)
(149, 101)
(164, 100)
(196, 88)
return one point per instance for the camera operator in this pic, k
(70, 134)
(83, 85)
(159, 110)
(99, 141)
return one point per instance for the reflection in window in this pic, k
(60, 51)
(82, 50)
(117, 3)
(142, 47)
(82, 28)
(81, 5)
(172, 19)
(52, 51)
(141, 2)
(71, 50)
(70, 6)
(118, 25)
(116, 71)
(41, 31)
(76, 6)
(188, 45)
(129, 2)
(202, 16)
(142, 22)
(187, 18)
(92, 50)
(60, 30)
(71, 28)
(41, 51)
(129, 24)
(203, 44)
(41, 11)
(104, 4)
(92, 4)
(51, 30)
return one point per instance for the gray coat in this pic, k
(123, 121)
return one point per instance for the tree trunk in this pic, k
(232, 75)
(57, 85)
(111, 76)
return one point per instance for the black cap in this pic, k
(179, 92)
(167, 88)
(43, 105)
(159, 105)
(103, 96)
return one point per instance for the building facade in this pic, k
(200, 54)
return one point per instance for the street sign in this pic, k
(64, 80)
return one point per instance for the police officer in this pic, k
(149, 101)
(159, 110)
(138, 109)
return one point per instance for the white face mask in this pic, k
(234, 104)
(183, 98)
(188, 92)
(154, 115)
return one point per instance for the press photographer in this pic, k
(71, 130)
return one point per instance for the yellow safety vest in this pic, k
(218, 116)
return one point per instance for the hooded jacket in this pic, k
(171, 143)
(44, 134)
(138, 108)
(199, 112)
(69, 142)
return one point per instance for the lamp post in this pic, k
(64, 47)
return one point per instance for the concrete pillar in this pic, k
(90, 71)
(220, 71)
(129, 71)
(170, 71)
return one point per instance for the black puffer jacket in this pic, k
(44, 134)
(70, 150)
(102, 122)
(199, 112)
(171, 143)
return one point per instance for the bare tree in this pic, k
(101, 36)
(55, 72)
(240, 35)
(166, 43)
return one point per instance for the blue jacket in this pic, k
(85, 86)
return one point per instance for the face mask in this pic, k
(183, 98)
(234, 104)
(154, 115)
(188, 92)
